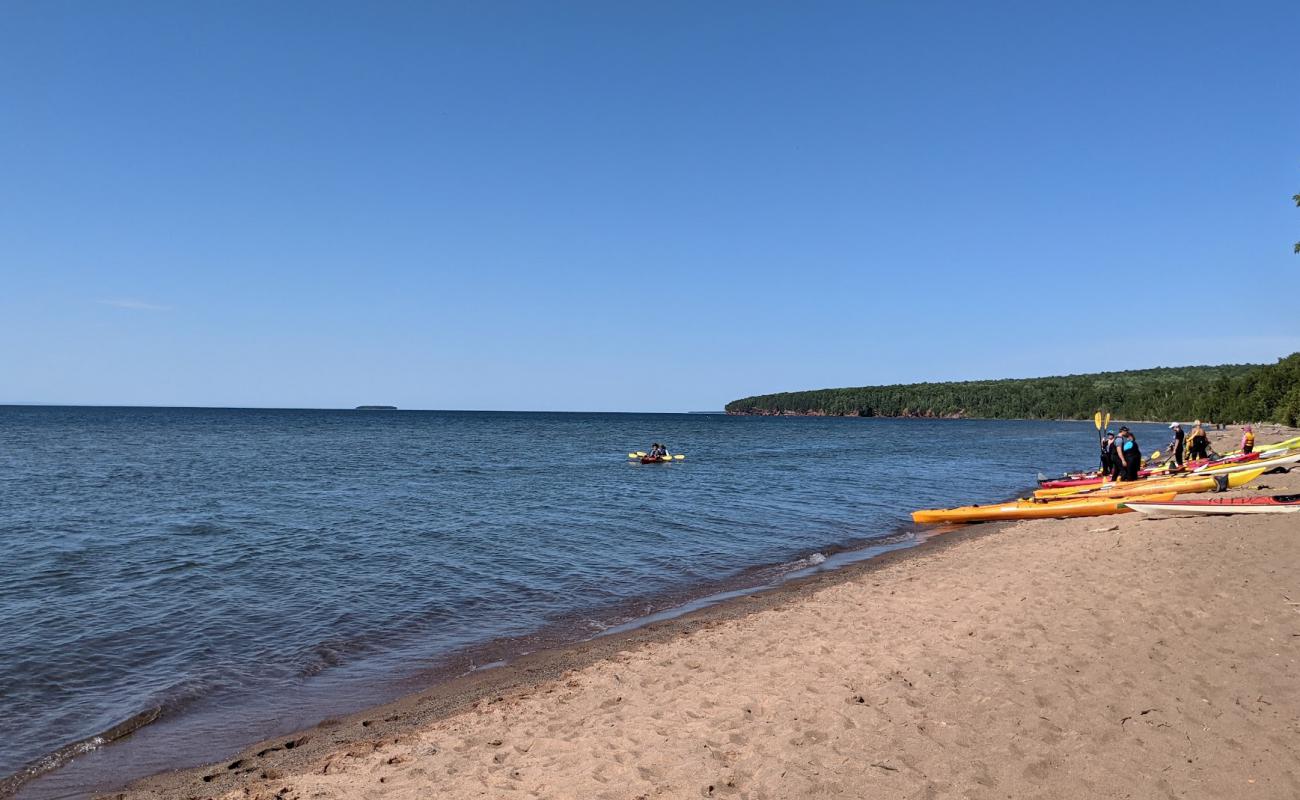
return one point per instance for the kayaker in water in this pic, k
(1176, 446)
(658, 451)
(1198, 443)
(1248, 441)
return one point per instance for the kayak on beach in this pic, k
(1266, 451)
(1107, 501)
(1029, 509)
(1249, 467)
(1182, 485)
(1276, 504)
(1092, 479)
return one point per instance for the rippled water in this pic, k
(250, 571)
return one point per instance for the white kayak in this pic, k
(1283, 462)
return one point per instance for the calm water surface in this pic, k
(248, 572)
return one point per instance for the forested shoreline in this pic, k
(1225, 393)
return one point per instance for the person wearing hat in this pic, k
(1198, 443)
(1128, 458)
(1248, 441)
(1108, 455)
(1176, 446)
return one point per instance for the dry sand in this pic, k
(1115, 657)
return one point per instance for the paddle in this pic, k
(1096, 420)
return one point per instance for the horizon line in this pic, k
(343, 408)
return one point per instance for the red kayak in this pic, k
(1277, 504)
(656, 459)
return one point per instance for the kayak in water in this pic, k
(646, 458)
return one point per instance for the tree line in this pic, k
(1226, 393)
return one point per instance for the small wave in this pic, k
(815, 559)
(9, 785)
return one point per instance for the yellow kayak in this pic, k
(1286, 461)
(1032, 509)
(1183, 484)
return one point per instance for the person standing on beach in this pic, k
(1108, 454)
(1133, 457)
(1248, 441)
(1129, 456)
(1198, 444)
(1119, 458)
(1176, 446)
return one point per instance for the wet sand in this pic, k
(1106, 657)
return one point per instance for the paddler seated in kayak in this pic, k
(658, 451)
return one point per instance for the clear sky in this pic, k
(649, 206)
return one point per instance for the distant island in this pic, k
(376, 408)
(1227, 393)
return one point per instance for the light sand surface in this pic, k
(1112, 657)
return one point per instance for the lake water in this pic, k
(247, 572)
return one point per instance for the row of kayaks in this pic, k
(1155, 494)
(1154, 470)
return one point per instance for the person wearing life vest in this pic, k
(1127, 455)
(1198, 443)
(1132, 455)
(1108, 454)
(1176, 446)
(1248, 441)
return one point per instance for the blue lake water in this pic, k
(248, 572)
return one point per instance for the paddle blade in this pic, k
(639, 454)
(1106, 423)
(679, 456)
(1155, 455)
(1096, 420)
(631, 455)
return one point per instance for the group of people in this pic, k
(1195, 446)
(657, 451)
(1121, 458)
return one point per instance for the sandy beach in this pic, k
(1118, 657)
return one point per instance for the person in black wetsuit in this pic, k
(1117, 463)
(1128, 459)
(1198, 444)
(1176, 446)
(1107, 454)
(1132, 455)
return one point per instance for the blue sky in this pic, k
(594, 206)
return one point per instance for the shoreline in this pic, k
(479, 692)
(439, 692)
